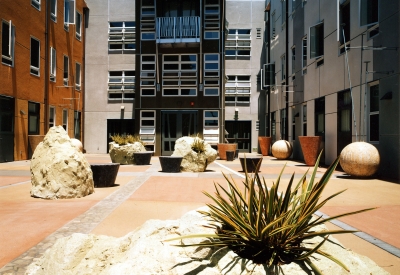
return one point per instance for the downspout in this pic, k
(268, 10)
(83, 70)
(222, 94)
(46, 68)
(286, 137)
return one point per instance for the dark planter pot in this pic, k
(250, 163)
(265, 145)
(104, 174)
(170, 164)
(230, 155)
(310, 147)
(223, 147)
(142, 158)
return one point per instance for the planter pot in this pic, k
(265, 144)
(360, 159)
(310, 147)
(223, 147)
(170, 164)
(104, 174)
(282, 149)
(230, 155)
(250, 163)
(142, 158)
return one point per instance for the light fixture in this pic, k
(122, 107)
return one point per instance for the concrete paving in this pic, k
(29, 226)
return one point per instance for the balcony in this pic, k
(178, 29)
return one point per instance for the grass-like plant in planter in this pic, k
(198, 145)
(260, 224)
(125, 139)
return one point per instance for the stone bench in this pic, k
(142, 158)
(251, 163)
(170, 164)
(104, 174)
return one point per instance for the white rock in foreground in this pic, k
(59, 170)
(144, 252)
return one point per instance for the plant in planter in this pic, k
(267, 227)
(123, 147)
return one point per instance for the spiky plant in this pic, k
(120, 140)
(133, 139)
(268, 227)
(198, 145)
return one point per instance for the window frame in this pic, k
(53, 10)
(66, 70)
(238, 42)
(127, 85)
(238, 89)
(211, 88)
(33, 113)
(65, 119)
(315, 41)
(283, 67)
(52, 116)
(78, 73)
(293, 52)
(373, 8)
(78, 26)
(124, 35)
(147, 132)
(373, 113)
(8, 59)
(34, 70)
(36, 4)
(53, 64)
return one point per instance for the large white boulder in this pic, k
(193, 161)
(59, 170)
(123, 154)
(144, 251)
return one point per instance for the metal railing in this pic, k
(177, 28)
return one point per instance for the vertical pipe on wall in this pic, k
(286, 136)
(46, 67)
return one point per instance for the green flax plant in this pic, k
(260, 224)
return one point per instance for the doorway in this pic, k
(344, 135)
(176, 124)
(6, 129)
(242, 129)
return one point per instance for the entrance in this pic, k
(176, 124)
(243, 130)
(6, 129)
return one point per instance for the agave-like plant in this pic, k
(268, 227)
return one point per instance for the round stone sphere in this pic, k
(282, 149)
(360, 159)
(77, 143)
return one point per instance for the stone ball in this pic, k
(282, 149)
(360, 159)
(77, 143)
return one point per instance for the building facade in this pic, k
(337, 76)
(165, 69)
(41, 71)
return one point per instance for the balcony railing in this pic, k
(178, 29)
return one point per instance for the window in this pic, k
(317, 40)
(237, 90)
(179, 71)
(283, 9)
(273, 124)
(122, 36)
(78, 26)
(211, 19)
(320, 117)
(121, 85)
(77, 76)
(66, 70)
(77, 125)
(211, 126)
(147, 126)
(273, 26)
(283, 67)
(211, 91)
(65, 120)
(7, 43)
(293, 60)
(53, 10)
(69, 12)
(304, 59)
(35, 56)
(33, 118)
(52, 116)
(344, 112)
(148, 71)
(36, 4)
(238, 43)
(373, 120)
(211, 65)
(283, 123)
(344, 22)
(369, 12)
(268, 75)
(53, 64)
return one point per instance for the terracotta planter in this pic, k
(360, 159)
(265, 144)
(310, 147)
(223, 147)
